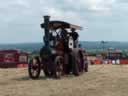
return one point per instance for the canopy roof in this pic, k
(61, 24)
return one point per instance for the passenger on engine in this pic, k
(75, 36)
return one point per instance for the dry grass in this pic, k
(101, 80)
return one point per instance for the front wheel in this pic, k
(34, 67)
(59, 63)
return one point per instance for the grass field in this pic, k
(101, 80)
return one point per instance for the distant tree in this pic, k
(103, 44)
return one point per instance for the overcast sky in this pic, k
(101, 19)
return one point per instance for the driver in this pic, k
(74, 34)
(63, 33)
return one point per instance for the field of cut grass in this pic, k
(101, 80)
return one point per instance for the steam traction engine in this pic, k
(60, 54)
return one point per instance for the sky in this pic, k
(101, 19)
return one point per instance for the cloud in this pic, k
(16, 8)
(25, 16)
(95, 6)
(100, 5)
(122, 1)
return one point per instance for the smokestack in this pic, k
(46, 29)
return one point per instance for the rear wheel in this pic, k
(86, 67)
(34, 68)
(75, 66)
(46, 70)
(81, 61)
(77, 62)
